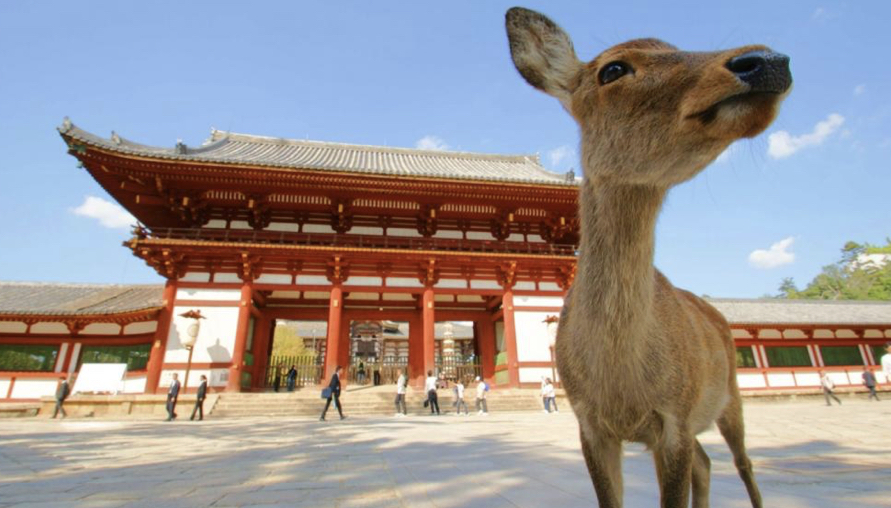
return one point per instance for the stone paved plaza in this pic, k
(805, 454)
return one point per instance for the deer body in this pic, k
(640, 359)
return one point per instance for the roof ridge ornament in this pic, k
(66, 124)
(115, 138)
(181, 147)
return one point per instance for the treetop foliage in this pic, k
(862, 273)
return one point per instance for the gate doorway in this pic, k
(378, 351)
(297, 344)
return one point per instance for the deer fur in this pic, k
(641, 360)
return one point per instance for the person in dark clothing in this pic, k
(172, 395)
(61, 394)
(334, 393)
(292, 378)
(430, 386)
(199, 401)
(869, 379)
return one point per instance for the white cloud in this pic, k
(859, 90)
(107, 213)
(561, 154)
(819, 13)
(782, 144)
(431, 143)
(778, 254)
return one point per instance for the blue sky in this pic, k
(437, 74)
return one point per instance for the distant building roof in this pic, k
(53, 299)
(780, 311)
(231, 148)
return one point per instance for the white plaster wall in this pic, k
(13, 327)
(534, 374)
(102, 329)
(218, 377)
(449, 233)
(141, 327)
(215, 377)
(524, 285)
(317, 295)
(780, 379)
(750, 380)
(34, 388)
(50, 328)
(362, 230)
(317, 228)
(479, 235)
(451, 283)
(4, 387)
(484, 284)
(532, 337)
(227, 278)
(411, 233)
(364, 281)
(216, 337)
(538, 301)
(134, 384)
(273, 278)
(216, 223)
(208, 294)
(60, 360)
(195, 277)
(404, 282)
(239, 224)
(313, 280)
(534, 238)
(808, 379)
(283, 226)
(548, 286)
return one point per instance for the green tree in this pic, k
(853, 277)
(287, 342)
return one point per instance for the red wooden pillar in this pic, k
(335, 312)
(241, 333)
(429, 330)
(159, 347)
(510, 338)
(343, 358)
(262, 342)
(485, 336)
(416, 371)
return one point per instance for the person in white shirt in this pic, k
(401, 384)
(550, 396)
(430, 388)
(828, 386)
(481, 389)
(886, 362)
(459, 398)
(544, 396)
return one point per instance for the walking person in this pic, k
(430, 387)
(292, 378)
(333, 391)
(546, 408)
(199, 399)
(360, 374)
(828, 386)
(459, 398)
(401, 385)
(886, 362)
(62, 392)
(481, 388)
(550, 396)
(172, 395)
(869, 380)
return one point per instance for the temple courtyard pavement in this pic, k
(805, 455)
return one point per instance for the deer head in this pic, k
(649, 113)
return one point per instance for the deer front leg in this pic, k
(603, 456)
(673, 456)
(702, 467)
(731, 425)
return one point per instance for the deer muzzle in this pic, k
(763, 71)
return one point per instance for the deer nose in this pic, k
(764, 71)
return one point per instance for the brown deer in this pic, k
(640, 359)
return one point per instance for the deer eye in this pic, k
(612, 71)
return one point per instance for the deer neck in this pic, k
(616, 258)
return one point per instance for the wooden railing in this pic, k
(348, 240)
(308, 367)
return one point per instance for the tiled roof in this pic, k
(231, 148)
(51, 299)
(804, 311)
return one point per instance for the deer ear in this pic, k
(542, 52)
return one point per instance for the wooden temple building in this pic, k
(251, 230)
